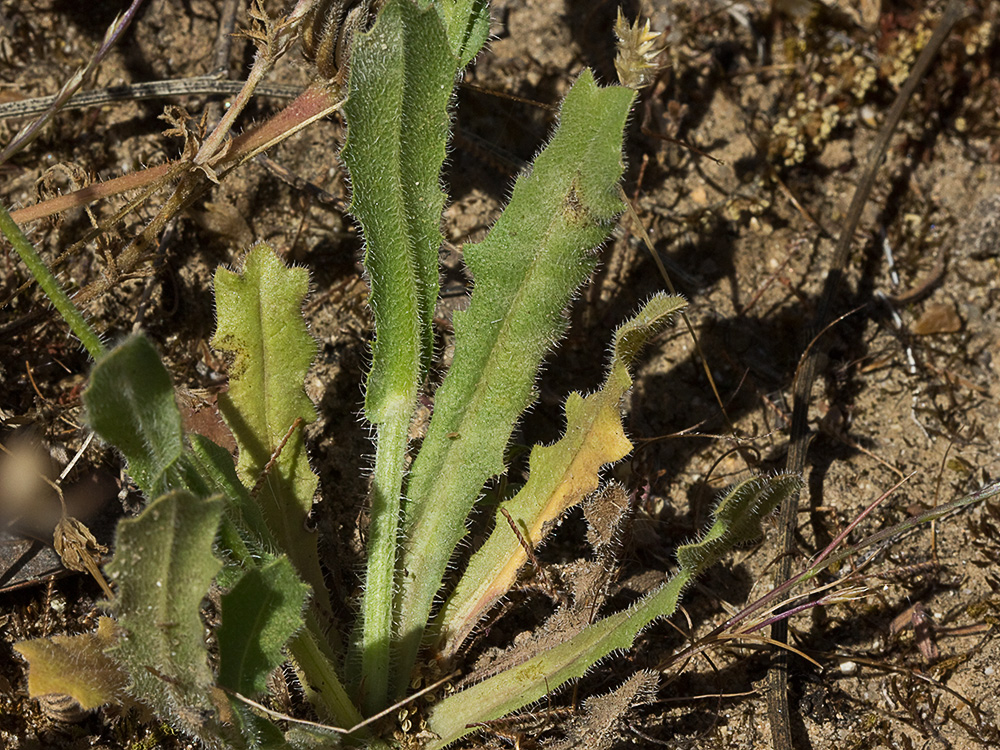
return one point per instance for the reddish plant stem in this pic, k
(309, 105)
(93, 193)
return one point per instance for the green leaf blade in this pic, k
(468, 26)
(260, 325)
(130, 403)
(259, 616)
(164, 565)
(526, 683)
(736, 519)
(525, 272)
(402, 75)
(401, 81)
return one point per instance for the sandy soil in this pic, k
(742, 160)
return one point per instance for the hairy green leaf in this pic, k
(402, 74)
(401, 80)
(525, 272)
(468, 26)
(737, 521)
(562, 475)
(130, 403)
(260, 325)
(163, 566)
(259, 616)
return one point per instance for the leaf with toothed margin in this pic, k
(736, 521)
(525, 272)
(260, 325)
(562, 475)
(163, 566)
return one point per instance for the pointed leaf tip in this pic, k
(737, 519)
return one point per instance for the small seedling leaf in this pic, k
(562, 475)
(259, 616)
(163, 566)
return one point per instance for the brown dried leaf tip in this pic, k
(79, 550)
(637, 52)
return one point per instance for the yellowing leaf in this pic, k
(75, 665)
(562, 475)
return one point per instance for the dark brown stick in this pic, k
(777, 694)
(223, 46)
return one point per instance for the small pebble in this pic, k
(938, 318)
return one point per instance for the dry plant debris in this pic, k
(785, 106)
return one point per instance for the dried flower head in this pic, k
(637, 52)
(328, 31)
